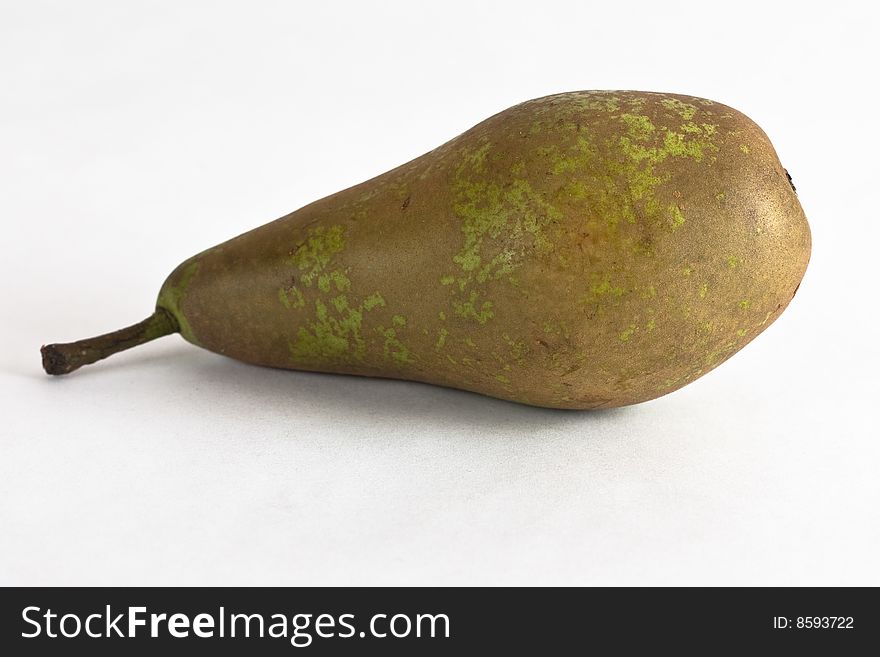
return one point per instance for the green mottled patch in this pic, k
(638, 127)
(676, 218)
(335, 333)
(685, 110)
(601, 286)
(501, 265)
(598, 101)
(492, 209)
(518, 348)
(627, 333)
(393, 348)
(733, 262)
(488, 209)
(336, 278)
(679, 146)
(618, 177)
(467, 260)
(503, 379)
(477, 158)
(470, 310)
(441, 338)
(704, 289)
(291, 297)
(313, 255)
(340, 303)
(706, 129)
(745, 149)
(330, 337)
(373, 300)
(651, 325)
(745, 304)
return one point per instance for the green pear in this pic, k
(584, 250)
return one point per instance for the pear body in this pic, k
(583, 250)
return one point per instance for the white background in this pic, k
(135, 134)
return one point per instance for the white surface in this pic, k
(135, 134)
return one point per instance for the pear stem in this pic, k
(65, 358)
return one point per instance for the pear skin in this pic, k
(584, 250)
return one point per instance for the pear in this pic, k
(583, 250)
